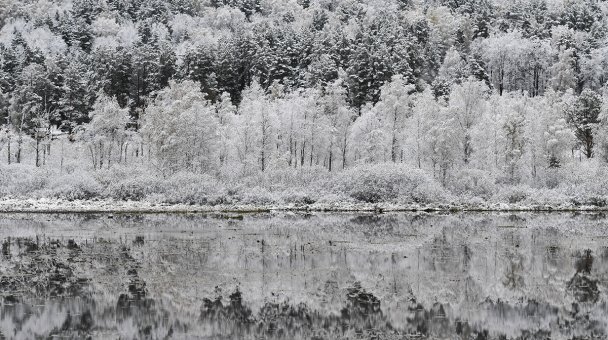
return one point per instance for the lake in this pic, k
(304, 276)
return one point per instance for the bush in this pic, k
(430, 192)
(589, 178)
(591, 201)
(282, 179)
(387, 182)
(472, 183)
(76, 186)
(553, 177)
(547, 197)
(189, 188)
(334, 198)
(292, 177)
(514, 194)
(299, 196)
(22, 180)
(133, 188)
(598, 201)
(255, 196)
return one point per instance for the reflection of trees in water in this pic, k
(583, 286)
(361, 317)
(323, 276)
(514, 270)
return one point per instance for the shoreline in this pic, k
(58, 206)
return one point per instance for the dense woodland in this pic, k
(472, 96)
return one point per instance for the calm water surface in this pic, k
(293, 276)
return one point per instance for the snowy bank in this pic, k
(44, 205)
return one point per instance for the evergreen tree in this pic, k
(584, 116)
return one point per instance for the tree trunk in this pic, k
(110, 152)
(312, 149)
(295, 154)
(101, 155)
(19, 144)
(37, 150)
(587, 139)
(290, 150)
(61, 161)
(467, 148)
(44, 155)
(344, 157)
(93, 158)
(9, 150)
(418, 144)
(302, 153)
(394, 140)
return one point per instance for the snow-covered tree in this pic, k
(106, 132)
(32, 106)
(369, 138)
(441, 144)
(339, 118)
(259, 133)
(584, 116)
(467, 103)
(514, 124)
(558, 139)
(225, 113)
(393, 109)
(564, 76)
(424, 114)
(182, 129)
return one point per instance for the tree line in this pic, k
(513, 88)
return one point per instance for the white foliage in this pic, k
(182, 128)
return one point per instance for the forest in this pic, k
(305, 101)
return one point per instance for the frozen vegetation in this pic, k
(385, 187)
(348, 104)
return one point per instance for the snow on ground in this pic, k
(46, 205)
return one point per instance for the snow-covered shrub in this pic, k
(387, 182)
(116, 173)
(79, 185)
(599, 201)
(299, 196)
(22, 179)
(135, 187)
(335, 198)
(190, 188)
(129, 189)
(553, 177)
(513, 194)
(429, 191)
(284, 179)
(585, 183)
(297, 177)
(255, 196)
(474, 202)
(587, 178)
(547, 197)
(472, 183)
